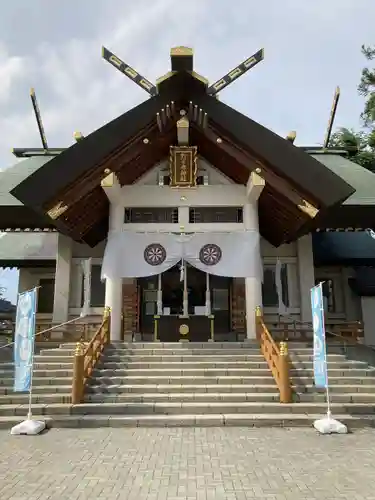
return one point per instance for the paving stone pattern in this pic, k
(189, 463)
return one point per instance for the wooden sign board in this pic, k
(183, 166)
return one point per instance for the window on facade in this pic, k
(269, 289)
(151, 215)
(215, 214)
(46, 294)
(97, 298)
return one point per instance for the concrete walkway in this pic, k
(180, 464)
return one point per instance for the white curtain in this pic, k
(124, 255)
(237, 253)
(132, 255)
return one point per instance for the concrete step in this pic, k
(194, 407)
(184, 352)
(357, 397)
(185, 345)
(53, 359)
(178, 388)
(333, 381)
(23, 399)
(180, 379)
(335, 388)
(219, 372)
(176, 372)
(221, 407)
(58, 373)
(41, 385)
(287, 420)
(332, 364)
(335, 372)
(221, 357)
(169, 358)
(212, 379)
(162, 365)
(159, 397)
(261, 397)
(40, 366)
(159, 365)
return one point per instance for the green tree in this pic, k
(361, 145)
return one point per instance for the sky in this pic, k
(311, 46)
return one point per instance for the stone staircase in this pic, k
(186, 384)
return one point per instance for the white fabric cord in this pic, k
(282, 309)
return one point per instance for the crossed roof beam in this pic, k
(152, 89)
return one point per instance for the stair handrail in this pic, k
(277, 358)
(86, 357)
(354, 329)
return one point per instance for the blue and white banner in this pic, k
(320, 359)
(24, 340)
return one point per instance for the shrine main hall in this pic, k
(183, 216)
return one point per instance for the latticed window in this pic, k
(215, 214)
(158, 215)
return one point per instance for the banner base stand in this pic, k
(329, 425)
(28, 427)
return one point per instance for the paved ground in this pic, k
(199, 464)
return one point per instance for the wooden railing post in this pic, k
(156, 325)
(107, 319)
(285, 388)
(78, 374)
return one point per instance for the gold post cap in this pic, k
(283, 348)
(79, 349)
(182, 51)
(292, 135)
(77, 136)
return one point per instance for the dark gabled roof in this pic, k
(17, 173)
(289, 161)
(13, 214)
(82, 156)
(357, 211)
(362, 180)
(72, 178)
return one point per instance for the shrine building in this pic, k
(183, 216)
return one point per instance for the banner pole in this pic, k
(329, 414)
(24, 358)
(29, 413)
